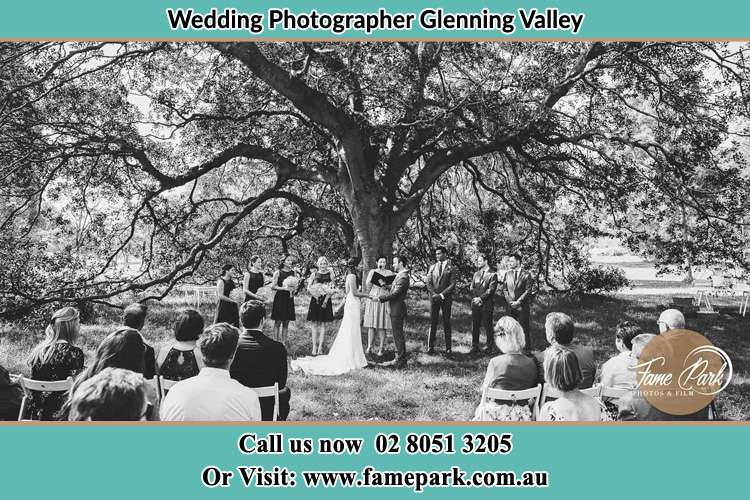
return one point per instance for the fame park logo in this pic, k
(680, 372)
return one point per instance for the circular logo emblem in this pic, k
(679, 372)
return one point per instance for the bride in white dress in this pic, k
(346, 353)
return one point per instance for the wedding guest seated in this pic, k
(10, 396)
(123, 349)
(134, 316)
(633, 406)
(212, 395)
(562, 372)
(511, 371)
(560, 330)
(670, 319)
(55, 358)
(113, 394)
(618, 371)
(261, 361)
(181, 359)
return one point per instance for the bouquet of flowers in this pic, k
(291, 282)
(237, 295)
(319, 290)
(265, 293)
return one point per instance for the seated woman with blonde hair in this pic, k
(55, 358)
(562, 372)
(511, 371)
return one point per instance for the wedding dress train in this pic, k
(346, 353)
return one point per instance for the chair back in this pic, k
(268, 392)
(163, 385)
(504, 395)
(613, 392)
(594, 391)
(550, 392)
(30, 385)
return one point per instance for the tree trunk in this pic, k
(375, 242)
(375, 233)
(686, 246)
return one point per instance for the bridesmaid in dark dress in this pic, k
(320, 312)
(253, 280)
(56, 358)
(182, 359)
(282, 311)
(227, 310)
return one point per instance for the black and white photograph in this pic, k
(369, 231)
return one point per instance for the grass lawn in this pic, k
(432, 387)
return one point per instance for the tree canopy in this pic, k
(177, 155)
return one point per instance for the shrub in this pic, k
(597, 280)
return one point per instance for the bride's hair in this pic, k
(352, 267)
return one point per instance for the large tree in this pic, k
(165, 149)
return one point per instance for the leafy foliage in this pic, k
(597, 280)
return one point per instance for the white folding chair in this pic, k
(549, 392)
(524, 395)
(268, 392)
(613, 392)
(163, 385)
(30, 385)
(594, 391)
(744, 302)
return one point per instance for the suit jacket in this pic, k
(397, 295)
(442, 283)
(586, 363)
(149, 370)
(517, 289)
(484, 285)
(633, 406)
(261, 361)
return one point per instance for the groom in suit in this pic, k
(441, 280)
(396, 298)
(517, 291)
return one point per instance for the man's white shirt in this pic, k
(210, 396)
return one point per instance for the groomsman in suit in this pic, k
(441, 281)
(483, 287)
(396, 298)
(517, 292)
